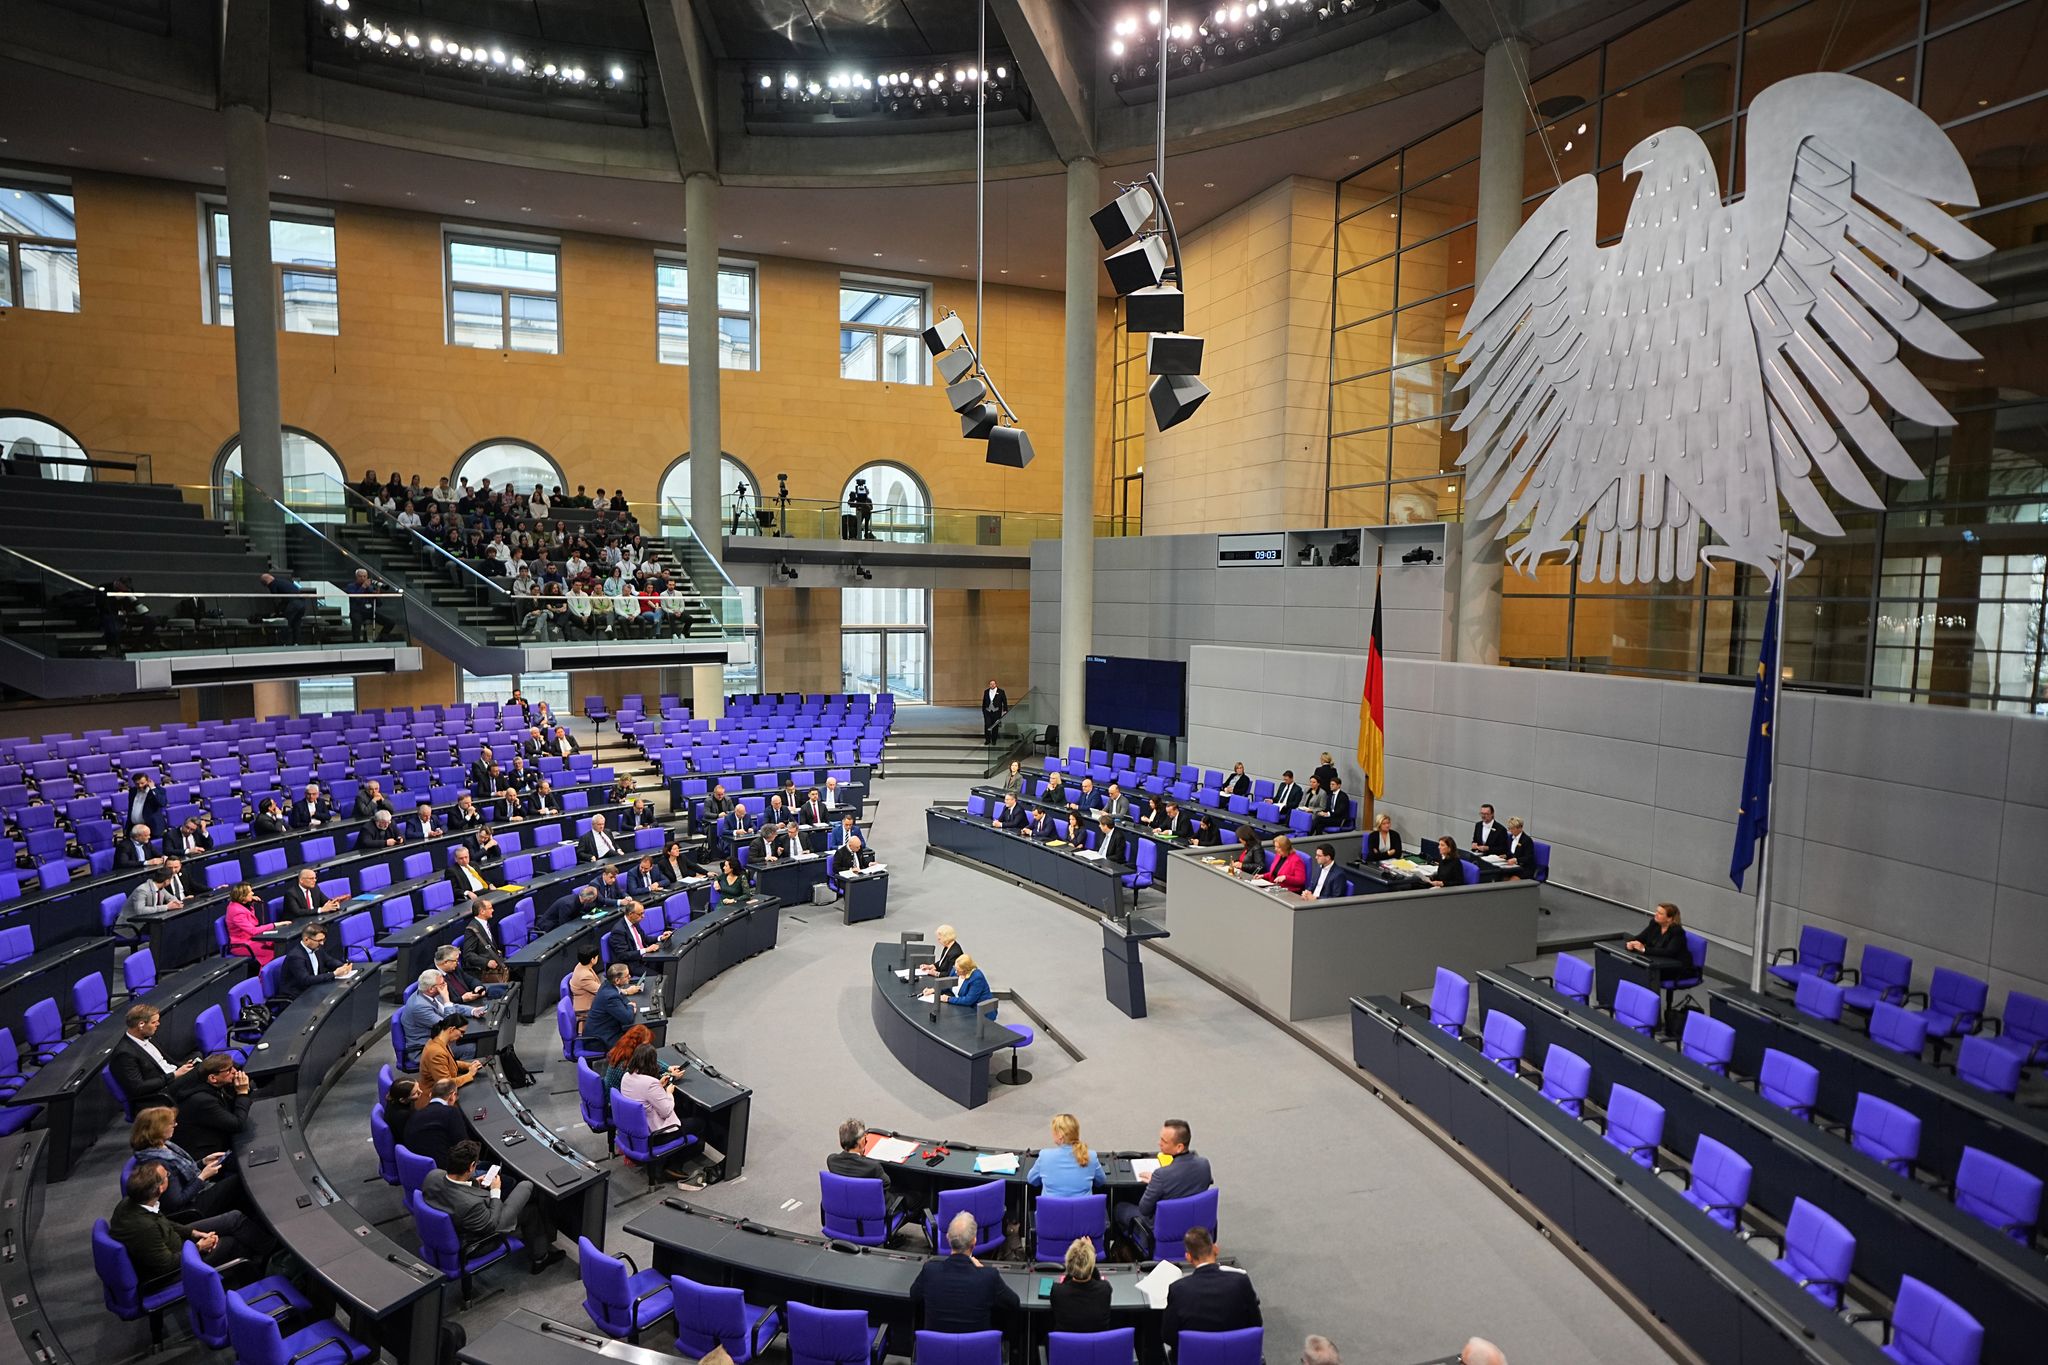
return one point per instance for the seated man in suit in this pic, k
(1521, 850)
(150, 895)
(561, 743)
(1324, 880)
(578, 903)
(1112, 843)
(1487, 836)
(1038, 824)
(851, 856)
(639, 816)
(436, 1126)
(490, 783)
(213, 1104)
(611, 890)
(154, 1242)
(521, 776)
(611, 1013)
(836, 800)
(307, 963)
(1287, 795)
(956, 1292)
(369, 800)
(382, 833)
(644, 880)
(1115, 804)
(1180, 1174)
(428, 1005)
(1010, 815)
(1383, 843)
(598, 845)
(313, 809)
(454, 1189)
(629, 946)
(812, 811)
(776, 843)
(190, 839)
(1239, 783)
(421, 824)
(463, 876)
(719, 804)
(735, 828)
(541, 801)
(1087, 801)
(1177, 822)
(1339, 813)
(465, 817)
(136, 850)
(777, 811)
(850, 1162)
(140, 1069)
(1208, 1298)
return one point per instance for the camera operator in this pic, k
(863, 505)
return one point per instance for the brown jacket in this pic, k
(438, 1063)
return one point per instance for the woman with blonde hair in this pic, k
(971, 988)
(194, 1187)
(1080, 1298)
(1067, 1169)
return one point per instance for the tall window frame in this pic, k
(297, 282)
(874, 335)
(27, 203)
(739, 324)
(515, 302)
(742, 679)
(885, 642)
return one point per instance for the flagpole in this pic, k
(1759, 946)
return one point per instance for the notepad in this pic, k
(996, 1163)
(1155, 1285)
(903, 974)
(1143, 1166)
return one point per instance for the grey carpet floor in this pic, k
(1349, 1221)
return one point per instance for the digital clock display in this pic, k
(1257, 550)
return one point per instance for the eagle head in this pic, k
(1668, 156)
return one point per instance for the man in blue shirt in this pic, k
(1180, 1174)
(416, 1018)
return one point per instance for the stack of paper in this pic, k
(1143, 1167)
(892, 1149)
(1155, 1285)
(996, 1163)
(903, 974)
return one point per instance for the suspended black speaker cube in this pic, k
(1116, 223)
(1175, 398)
(1173, 353)
(1141, 265)
(1162, 308)
(978, 420)
(945, 334)
(1009, 446)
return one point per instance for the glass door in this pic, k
(906, 665)
(860, 661)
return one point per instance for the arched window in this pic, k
(314, 481)
(739, 520)
(26, 438)
(513, 464)
(902, 507)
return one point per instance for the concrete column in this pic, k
(1503, 133)
(256, 321)
(1077, 451)
(701, 209)
(707, 691)
(273, 698)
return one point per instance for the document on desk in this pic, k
(996, 1163)
(1155, 1285)
(903, 973)
(893, 1149)
(1093, 855)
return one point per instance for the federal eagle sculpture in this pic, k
(1720, 356)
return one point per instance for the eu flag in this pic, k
(1752, 816)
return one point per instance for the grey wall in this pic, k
(1158, 597)
(1912, 827)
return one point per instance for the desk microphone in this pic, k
(410, 1266)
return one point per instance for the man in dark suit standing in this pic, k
(994, 704)
(145, 804)
(1488, 836)
(1288, 794)
(956, 1292)
(480, 780)
(481, 952)
(1186, 1174)
(144, 1073)
(1208, 1298)
(308, 963)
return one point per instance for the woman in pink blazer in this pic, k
(245, 921)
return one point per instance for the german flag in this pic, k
(1372, 709)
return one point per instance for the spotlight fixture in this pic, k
(862, 571)
(498, 60)
(784, 571)
(974, 395)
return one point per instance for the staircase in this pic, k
(954, 752)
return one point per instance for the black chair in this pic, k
(1149, 747)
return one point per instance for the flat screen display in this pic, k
(1146, 695)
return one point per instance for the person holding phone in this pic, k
(482, 1208)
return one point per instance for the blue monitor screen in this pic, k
(1149, 696)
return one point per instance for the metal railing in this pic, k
(63, 616)
(817, 519)
(25, 458)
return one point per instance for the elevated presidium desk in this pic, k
(946, 1046)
